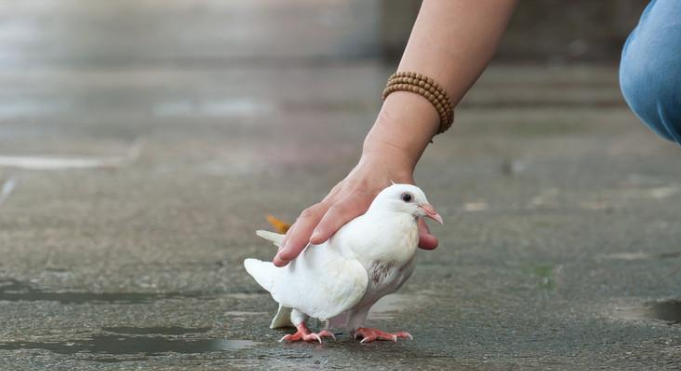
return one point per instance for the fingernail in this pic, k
(315, 234)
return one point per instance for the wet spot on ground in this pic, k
(13, 290)
(170, 330)
(113, 345)
(640, 255)
(670, 255)
(235, 313)
(667, 310)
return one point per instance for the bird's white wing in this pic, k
(320, 282)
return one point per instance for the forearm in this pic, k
(452, 41)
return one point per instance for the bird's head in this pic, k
(408, 199)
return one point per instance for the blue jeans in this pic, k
(650, 70)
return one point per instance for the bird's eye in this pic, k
(407, 197)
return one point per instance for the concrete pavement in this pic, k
(141, 144)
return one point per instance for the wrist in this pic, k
(385, 165)
(404, 128)
(388, 157)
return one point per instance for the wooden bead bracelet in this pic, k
(425, 86)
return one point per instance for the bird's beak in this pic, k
(431, 213)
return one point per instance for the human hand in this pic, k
(349, 199)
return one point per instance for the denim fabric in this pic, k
(650, 70)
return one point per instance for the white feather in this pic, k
(282, 318)
(320, 283)
(275, 238)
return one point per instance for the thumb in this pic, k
(427, 240)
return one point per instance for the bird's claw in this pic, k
(369, 335)
(304, 334)
(327, 333)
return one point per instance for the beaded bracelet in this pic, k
(425, 86)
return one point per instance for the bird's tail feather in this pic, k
(275, 238)
(282, 318)
(263, 272)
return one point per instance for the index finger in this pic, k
(339, 214)
(299, 235)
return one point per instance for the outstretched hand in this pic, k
(347, 200)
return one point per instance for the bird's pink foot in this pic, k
(370, 334)
(304, 334)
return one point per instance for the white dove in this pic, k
(341, 279)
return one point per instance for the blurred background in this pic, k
(142, 142)
(546, 32)
(542, 31)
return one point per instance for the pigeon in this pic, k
(338, 281)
